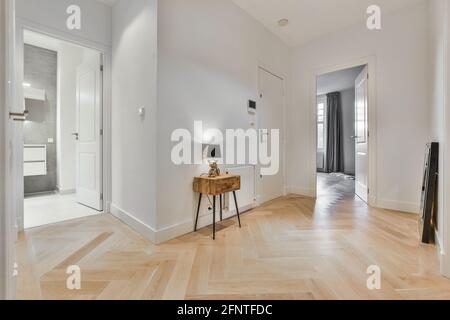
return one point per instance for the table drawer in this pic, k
(228, 185)
(216, 186)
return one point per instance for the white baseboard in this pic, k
(66, 191)
(399, 206)
(205, 220)
(137, 225)
(441, 256)
(301, 191)
(107, 207)
(440, 252)
(170, 232)
(19, 224)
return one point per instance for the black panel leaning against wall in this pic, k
(40, 71)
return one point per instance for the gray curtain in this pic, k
(334, 161)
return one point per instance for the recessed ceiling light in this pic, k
(283, 22)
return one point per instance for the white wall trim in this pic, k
(370, 61)
(174, 231)
(186, 227)
(61, 35)
(66, 191)
(159, 236)
(402, 206)
(145, 230)
(310, 193)
(439, 250)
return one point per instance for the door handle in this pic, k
(76, 135)
(19, 116)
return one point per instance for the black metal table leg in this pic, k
(221, 208)
(214, 218)
(198, 211)
(237, 208)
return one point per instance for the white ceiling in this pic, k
(337, 81)
(310, 19)
(108, 2)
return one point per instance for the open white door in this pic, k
(89, 133)
(362, 136)
(270, 116)
(11, 174)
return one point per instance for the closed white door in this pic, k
(362, 136)
(270, 116)
(89, 133)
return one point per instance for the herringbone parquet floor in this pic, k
(290, 248)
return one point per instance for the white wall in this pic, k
(437, 66)
(439, 11)
(51, 14)
(402, 68)
(208, 56)
(134, 138)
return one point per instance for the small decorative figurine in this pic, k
(214, 170)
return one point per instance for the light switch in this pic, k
(142, 112)
(50, 140)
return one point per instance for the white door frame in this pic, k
(21, 26)
(9, 230)
(282, 77)
(312, 154)
(3, 186)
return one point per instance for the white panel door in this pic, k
(270, 116)
(89, 126)
(361, 136)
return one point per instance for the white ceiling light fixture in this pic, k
(313, 19)
(283, 22)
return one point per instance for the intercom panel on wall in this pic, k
(251, 107)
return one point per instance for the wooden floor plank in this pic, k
(290, 248)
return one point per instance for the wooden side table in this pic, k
(214, 187)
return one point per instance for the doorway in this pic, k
(342, 134)
(62, 133)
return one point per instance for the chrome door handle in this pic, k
(19, 116)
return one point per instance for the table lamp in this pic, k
(212, 154)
